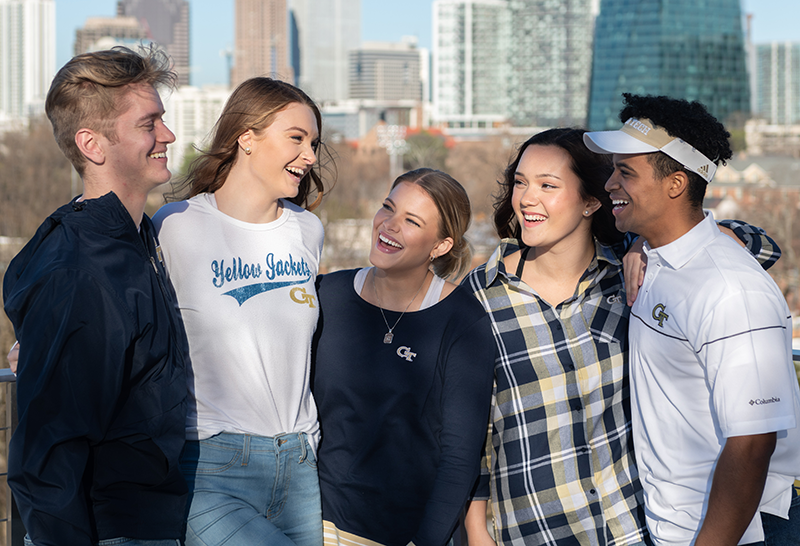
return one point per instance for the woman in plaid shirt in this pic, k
(559, 466)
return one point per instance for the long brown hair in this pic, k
(252, 106)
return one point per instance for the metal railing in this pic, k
(14, 529)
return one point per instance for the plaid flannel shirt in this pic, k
(559, 454)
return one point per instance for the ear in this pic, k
(92, 145)
(442, 247)
(593, 204)
(677, 184)
(245, 140)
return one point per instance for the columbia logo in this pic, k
(761, 401)
(703, 170)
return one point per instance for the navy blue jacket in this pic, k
(101, 382)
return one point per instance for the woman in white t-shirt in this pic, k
(243, 253)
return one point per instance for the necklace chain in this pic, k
(387, 339)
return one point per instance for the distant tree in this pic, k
(34, 178)
(425, 150)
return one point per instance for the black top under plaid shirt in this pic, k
(562, 469)
(560, 463)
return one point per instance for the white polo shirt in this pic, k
(710, 358)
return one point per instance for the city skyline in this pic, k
(211, 27)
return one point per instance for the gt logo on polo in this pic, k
(659, 314)
(299, 295)
(405, 352)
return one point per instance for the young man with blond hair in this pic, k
(101, 379)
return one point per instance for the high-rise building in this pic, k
(386, 71)
(681, 48)
(105, 32)
(326, 32)
(166, 23)
(470, 68)
(550, 61)
(27, 55)
(190, 113)
(262, 46)
(777, 82)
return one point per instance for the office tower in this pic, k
(191, 113)
(550, 61)
(105, 32)
(166, 23)
(386, 71)
(682, 48)
(326, 31)
(262, 47)
(470, 68)
(27, 55)
(777, 82)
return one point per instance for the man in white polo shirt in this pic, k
(715, 400)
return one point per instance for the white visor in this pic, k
(641, 136)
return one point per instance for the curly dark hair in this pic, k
(593, 170)
(686, 120)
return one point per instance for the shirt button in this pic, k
(592, 491)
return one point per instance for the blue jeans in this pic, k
(252, 490)
(126, 542)
(779, 531)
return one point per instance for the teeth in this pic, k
(618, 202)
(296, 171)
(159, 155)
(389, 242)
(534, 217)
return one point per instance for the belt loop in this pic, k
(303, 454)
(246, 450)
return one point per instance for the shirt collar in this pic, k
(496, 262)
(678, 253)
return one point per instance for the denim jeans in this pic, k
(252, 490)
(126, 542)
(781, 532)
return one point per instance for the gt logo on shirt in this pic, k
(405, 352)
(659, 314)
(303, 297)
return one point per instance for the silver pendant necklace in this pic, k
(387, 338)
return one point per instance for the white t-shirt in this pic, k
(710, 358)
(247, 298)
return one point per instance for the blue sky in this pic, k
(381, 20)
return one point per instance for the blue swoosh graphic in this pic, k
(244, 293)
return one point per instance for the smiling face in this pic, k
(547, 200)
(138, 157)
(405, 231)
(284, 152)
(640, 201)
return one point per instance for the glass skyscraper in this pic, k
(691, 49)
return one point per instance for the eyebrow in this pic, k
(622, 163)
(151, 116)
(300, 129)
(420, 218)
(542, 175)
